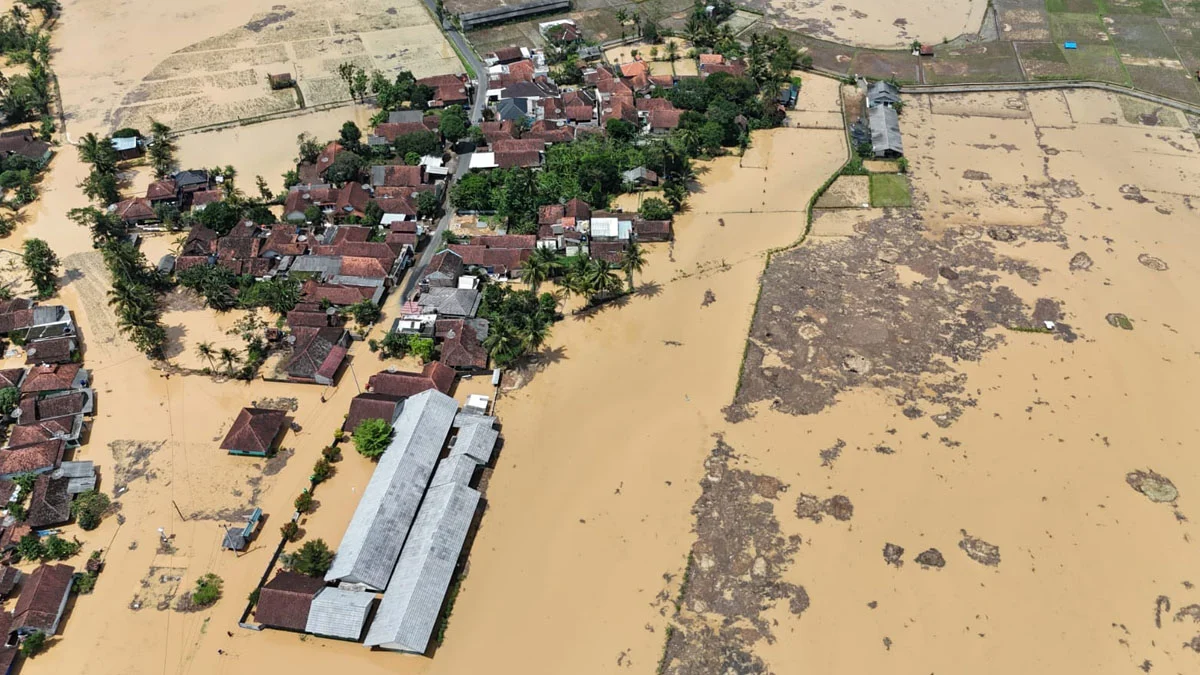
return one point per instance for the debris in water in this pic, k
(1081, 261)
(1117, 320)
(887, 643)
(1156, 264)
(1156, 487)
(709, 298)
(812, 508)
(1192, 611)
(979, 550)
(829, 455)
(1161, 604)
(892, 554)
(931, 558)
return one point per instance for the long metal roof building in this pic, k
(475, 441)
(885, 132)
(376, 532)
(454, 469)
(418, 586)
(339, 613)
(472, 20)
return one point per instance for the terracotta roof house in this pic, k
(325, 159)
(711, 59)
(648, 104)
(283, 602)
(9, 576)
(54, 377)
(663, 121)
(634, 68)
(735, 68)
(610, 251)
(49, 502)
(397, 175)
(162, 191)
(42, 601)
(662, 81)
(652, 230)
(435, 375)
(371, 407)
(203, 198)
(54, 350)
(525, 159)
(11, 377)
(134, 211)
(352, 200)
(364, 268)
(498, 262)
(317, 355)
(34, 458)
(519, 145)
(504, 241)
(338, 295)
(8, 654)
(462, 346)
(311, 315)
(443, 270)
(505, 55)
(301, 197)
(254, 432)
(390, 131)
(492, 131)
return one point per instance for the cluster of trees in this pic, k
(720, 111)
(88, 508)
(312, 559)
(19, 174)
(101, 184)
(581, 275)
(518, 321)
(403, 91)
(135, 296)
(223, 290)
(42, 265)
(31, 548)
(27, 97)
(708, 30)
(397, 345)
(355, 78)
(371, 437)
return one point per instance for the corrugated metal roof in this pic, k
(885, 131)
(373, 538)
(339, 613)
(458, 469)
(464, 418)
(418, 586)
(475, 441)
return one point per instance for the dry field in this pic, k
(876, 23)
(165, 73)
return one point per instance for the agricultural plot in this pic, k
(890, 189)
(986, 62)
(1043, 60)
(1096, 62)
(224, 78)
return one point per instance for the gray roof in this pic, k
(465, 418)
(328, 265)
(885, 131)
(451, 301)
(406, 116)
(511, 109)
(125, 143)
(475, 441)
(235, 539)
(339, 613)
(373, 538)
(414, 597)
(882, 92)
(458, 469)
(81, 476)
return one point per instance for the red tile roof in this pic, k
(519, 145)
(327, 156)
(522, 69)
(49, 503)
(41, 598)
(367, 268)
(508, 54)
(205, 197)
(11, 377)
(135, 210)
(393, 130)
(254, 430)
(499, 260)
(635, 68)
(301, 197)
(337, 294)
(50, 377)
(494, 131)
(161, 189)
(520, 158)
(643, 103)
(461, 347)
(284, 602)
(352, 200)
(400, 175)
(318, 351)
(504, 241)
(711, 59)
(370, 406)
(25, 434)
(550, 214)
(664, 119)
(35, 457)
(436, 81)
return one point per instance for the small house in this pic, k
(254, 432)
(284, 602)
(42, 600)
(339, 613)
(280, 81)
(640, 177)
(885, 132)
(127, 147)
(882, 94)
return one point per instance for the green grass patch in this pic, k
(1097, 62)
(1154, 8)
(890, 189)
(1081, 28)
(1074, 6)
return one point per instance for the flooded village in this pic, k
(394, 337)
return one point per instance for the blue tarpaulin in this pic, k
(1070, 45)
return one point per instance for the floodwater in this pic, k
(879, 24)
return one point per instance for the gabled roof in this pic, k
(528, 241)
(519, 158)
(476, 441)
(49, 502)
(254, 430)
(397, 175)
(444, 266)
(327, 156)
(373, 539)
(283, 602)
(42, 598)
(393, 130)
(54, 350)
(50, 377)
(664, 119)
(339, 613)
(398, 385)
(371, 406)
(161, 189)
(134, 210)
(422, 576)
(448, 301)
(458, 469)
(461, 345)
(318, 351)
(885, 130)
(11, 377)
(34, 458)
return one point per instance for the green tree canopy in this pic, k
(371, 437)
(313, 559)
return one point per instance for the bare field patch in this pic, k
(872, 23)
(847, 192)
(224, 77)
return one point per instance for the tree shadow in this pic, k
(174, 346)
(596, 309)
(648, 289)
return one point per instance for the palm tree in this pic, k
(632, 260)
(206, 351)
(534, 335)
(98, 152)
(672, 51)
(539, 267)
(676, 194)
(228, 357)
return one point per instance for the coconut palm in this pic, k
(632, 260)
(542, 265)
(672, 51)
(98, 152)
(206, 351)
(228, 357)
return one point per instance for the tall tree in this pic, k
(98, 152)
(162, 149)
(632, 260)
(42, 265)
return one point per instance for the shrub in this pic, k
(304, 503)
(332, 453)
(30, 548)
(57, 548)
(371, 437)
(321, 470)
(208, 590)
(313, 558)
(253, 597)
(83, 583)
(290, 530)
(88, 507)
(33, 644)
(655, 209)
